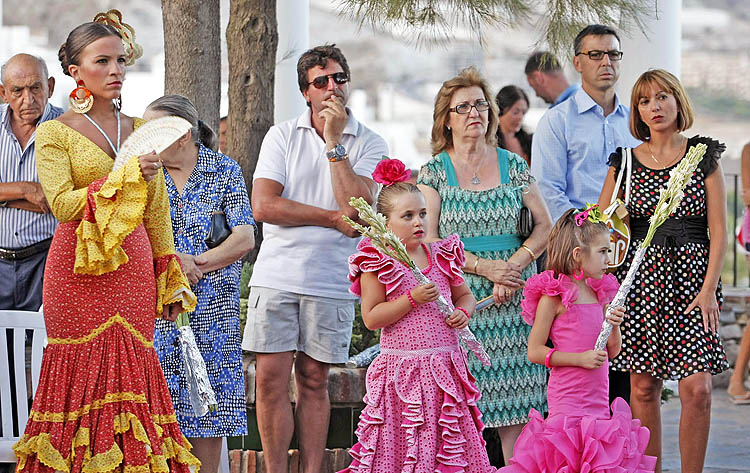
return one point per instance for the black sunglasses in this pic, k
(321, 82)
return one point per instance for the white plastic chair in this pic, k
(18, 322)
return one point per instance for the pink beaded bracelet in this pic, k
(411, 300)
(548, 358)
(464, 311)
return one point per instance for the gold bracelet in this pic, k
(531, 253)
(476, 262)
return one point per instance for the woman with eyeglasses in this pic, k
(671, 328)
(477, 190)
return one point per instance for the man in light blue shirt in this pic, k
(546, 77)
(574, 139)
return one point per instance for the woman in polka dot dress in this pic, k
(420, 410)
(673, 306)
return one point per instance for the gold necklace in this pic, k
(679, 153)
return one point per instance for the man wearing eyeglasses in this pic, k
(299, 302)
(574, 139)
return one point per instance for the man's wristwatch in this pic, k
(338, 153)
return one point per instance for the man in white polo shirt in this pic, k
(308, 169)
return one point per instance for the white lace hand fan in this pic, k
(154, 135)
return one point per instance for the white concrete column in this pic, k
(293, 18)
(659, 47)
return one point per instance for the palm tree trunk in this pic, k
(252, 39)
(192, 54)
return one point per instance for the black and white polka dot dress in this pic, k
(657, 338)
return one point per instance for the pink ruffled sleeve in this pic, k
(605, 288)
(450, 258)
(546, 284)
(368, 259)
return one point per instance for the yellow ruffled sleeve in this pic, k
(114, 208)
(116, 205)
(171, 283)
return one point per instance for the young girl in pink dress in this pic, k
(420, 414)
(567, 304)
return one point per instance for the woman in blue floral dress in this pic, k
(475, 189)
(200, 182)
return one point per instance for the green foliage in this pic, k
(243, 315)
(247, 271)
(430, 21)
(362, 337)
(666, 395)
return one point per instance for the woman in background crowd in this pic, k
(513, 103)
(201, 182)
(737, 390)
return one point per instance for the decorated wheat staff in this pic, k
(201, 394)
(389, 244)
(669, 199)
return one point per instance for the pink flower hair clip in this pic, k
(390, 171)
(591, 212)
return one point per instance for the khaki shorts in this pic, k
(279, 321)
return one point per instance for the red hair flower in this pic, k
(390, 171)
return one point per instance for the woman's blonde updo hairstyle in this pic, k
(81, 36)
(442, 137)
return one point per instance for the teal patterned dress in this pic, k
(512, 385)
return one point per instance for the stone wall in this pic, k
(251, 461)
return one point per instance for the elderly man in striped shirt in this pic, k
(26, 224)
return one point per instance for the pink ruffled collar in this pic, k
(546, 283)
(447, 255)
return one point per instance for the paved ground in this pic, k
(728, 444)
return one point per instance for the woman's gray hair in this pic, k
(180, 106)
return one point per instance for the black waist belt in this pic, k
(673, 232)
(21, 253)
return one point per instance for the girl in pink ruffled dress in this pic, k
(567, 304)
(420, 414)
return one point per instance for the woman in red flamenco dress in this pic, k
(102, 403)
